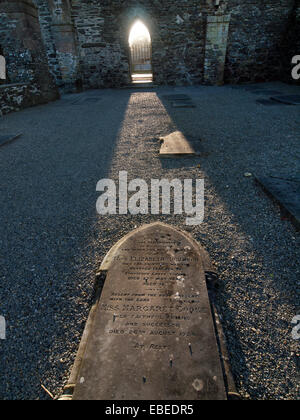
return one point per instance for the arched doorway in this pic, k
(140, 53)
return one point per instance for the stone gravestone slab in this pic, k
(175, 145)
(269, 102)
(152, 336)
(182, 104)
(286, 192)
(176, 97)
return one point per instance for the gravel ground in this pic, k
(52, 241)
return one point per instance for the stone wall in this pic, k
(14, 97)
(193, 41)
(257, 29)
(177, 30)
(188, 48)
(22, 46)
(291, 45)
(45, 19)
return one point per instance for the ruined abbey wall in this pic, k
(84, 43)
(257, 30)
(178, 39)
(204, 41)
(28, 79)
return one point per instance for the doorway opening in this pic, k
(140, 54)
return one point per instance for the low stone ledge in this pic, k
(17, 96)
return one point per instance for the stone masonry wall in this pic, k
(177, 30)
(193, 41)
(22, 46)
(45, 20)
(291, 45)
(256, 31)
(14, 97)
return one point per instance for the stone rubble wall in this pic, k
(291, 44)
(26, 62)
(256, 31)
(180, 31)
(178, 39)
(45, 20)
(85, 42)
(14, 97)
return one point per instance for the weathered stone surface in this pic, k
(84, 44)
(189, 39)
(286, 192)
(179, 97)
(22, 46)
(182, 104)
(215, 49)
(17, 96)
(176, 145)
(255, 48)
(152, 337)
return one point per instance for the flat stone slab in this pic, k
(265, 92)
(176, 145)
(9, 138)
(179, 97)
(182, 104)
(286, 192)
(152, 335)
(287, 99)
(269, 102)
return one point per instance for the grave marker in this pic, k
(182, 104)
(151, 335)
(286, 192)
(176, 145)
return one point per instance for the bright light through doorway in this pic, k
(139, 32)
(141, 53)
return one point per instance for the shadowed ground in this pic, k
(52, 241)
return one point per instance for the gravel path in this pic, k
(52, 241)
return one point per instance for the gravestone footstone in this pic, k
(269, 102)
(152, 336)
(176, 145)
(183, 104)
(286, 192)
(176, 97)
